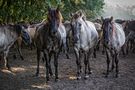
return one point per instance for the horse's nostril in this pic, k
(54, 33)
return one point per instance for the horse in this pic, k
(31, 29)
(50, 38)
(114, 39)
(130, 36)
(69, 33)
(8, 35)
(85, 39)
(100, 33)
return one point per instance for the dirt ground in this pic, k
(22, 77)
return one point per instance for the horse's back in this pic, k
(120, 35)
(89, 36)
(94, 33)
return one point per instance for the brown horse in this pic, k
(50, 38)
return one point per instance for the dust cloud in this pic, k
(119, 9)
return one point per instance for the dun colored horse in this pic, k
(114, 39)
(85, 39)
(50, 38)
(8, 35)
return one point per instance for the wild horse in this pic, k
(50, 38)
(114, 39)
(8, 35)
(85, 39)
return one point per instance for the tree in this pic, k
(35, 10)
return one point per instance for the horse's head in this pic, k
(107, 27)
(54, 19)
(77, 21)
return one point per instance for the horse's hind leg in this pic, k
(94, 53)
(38, 59)
(66, 49)
(56, 65)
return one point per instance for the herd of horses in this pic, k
(52, 36)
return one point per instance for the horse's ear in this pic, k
(111, 19)
(71, 15)
(49, 8)
(102, 19)
(58, 8)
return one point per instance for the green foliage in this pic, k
(36, 10)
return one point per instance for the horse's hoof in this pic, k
(47, 79)
(106, 75)
(51, 74)
(86, 76)
(78, 77)
(56, 79)
(116, 76)
(14, 56)
(90, 72)
(37, 74)
(22, 58)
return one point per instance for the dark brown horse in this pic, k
(50, 38)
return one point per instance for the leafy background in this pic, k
(36, 10)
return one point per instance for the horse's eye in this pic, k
(80, 25)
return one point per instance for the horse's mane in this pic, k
(60, 17)
(82, 14)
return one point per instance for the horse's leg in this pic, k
(123, 50)
(94, 53)
(103, 48)
(108, 62)
(113, 59)
(98, 45)
(127, 48)
(86, 64)
(38, 59)
(3, 61)
(19, 48)
(46, 56)
(88, 57)
(56, 65)
(78, 62)
(50, 69)
(116, 62)
(66, 49)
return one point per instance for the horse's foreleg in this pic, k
(50, 69)
(66, 49)
(78, 62)
(86, 64)
(113, 59)
(89, 69)
(46, 56)
(108, 62)
(116, 62)
(38, 59)
(56, 65)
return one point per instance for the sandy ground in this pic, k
(22, 77)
